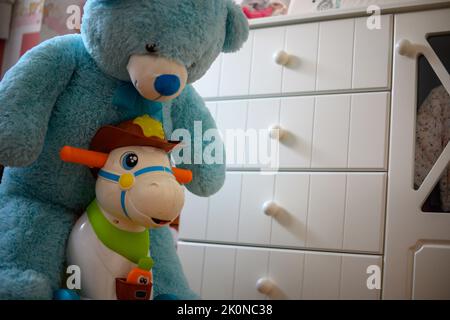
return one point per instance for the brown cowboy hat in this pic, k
(127, 134)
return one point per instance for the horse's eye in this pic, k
(129, 160)
(151, 48)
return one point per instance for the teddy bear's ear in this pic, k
(236, 28)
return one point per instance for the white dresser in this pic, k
(313, 227)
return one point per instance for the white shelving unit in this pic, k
(342, 203)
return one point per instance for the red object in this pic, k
(253, 14)
(127, 134)
(92, 159)
(183, 176)
(130, 291)
(29, 40)
(140, 277)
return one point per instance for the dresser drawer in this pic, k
(332, 211)
(323, 132)
(325, 56)
(227, 272)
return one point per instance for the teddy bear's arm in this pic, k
(187, 110)
(28, 94)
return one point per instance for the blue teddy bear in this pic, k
(132, 58)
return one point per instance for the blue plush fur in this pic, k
(60, 93)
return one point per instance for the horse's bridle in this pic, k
(126, 181)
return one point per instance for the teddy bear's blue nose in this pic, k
(167, 84)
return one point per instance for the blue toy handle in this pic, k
(65, 294)
(165, 297)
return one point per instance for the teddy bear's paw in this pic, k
(16, 284)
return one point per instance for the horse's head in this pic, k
(136, 180)
(138, 183)
(135, 183)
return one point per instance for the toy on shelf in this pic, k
(136, 190)
(264, 8)
(253, 14)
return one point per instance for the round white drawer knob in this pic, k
(265, 286)
(281, 57)
(277, 133)
(271, 208)
(405, 48)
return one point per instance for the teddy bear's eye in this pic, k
(151, 48)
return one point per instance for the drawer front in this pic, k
(332, 211)
(323, 132)
(326, 56)
(227, 272)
